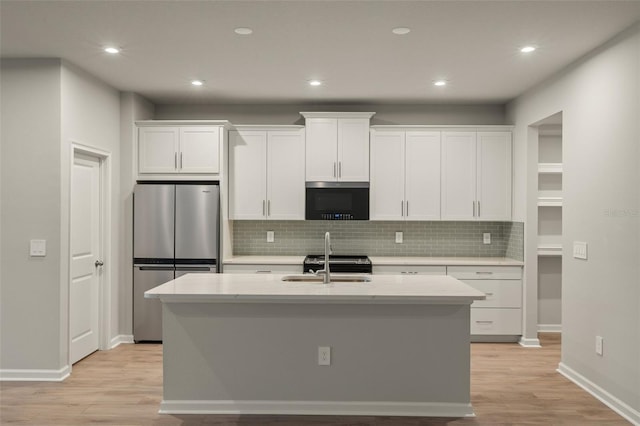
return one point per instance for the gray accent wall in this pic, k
(387, 114)
(374, 238)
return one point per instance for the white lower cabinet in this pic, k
(500, 314)
(409, 270)
(262, 268)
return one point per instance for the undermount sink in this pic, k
(334, 278)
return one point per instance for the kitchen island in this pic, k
(249, 344)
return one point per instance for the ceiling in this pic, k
(474, 45)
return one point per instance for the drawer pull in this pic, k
(489, 294)
(484, 272)
(484, 322)
(263, 272)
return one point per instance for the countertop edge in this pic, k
(382, 261)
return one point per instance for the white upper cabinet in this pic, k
(476, 175)
(266, 174)
(158, 149)
(494, 175)
(169, 151)
(405, 175)
(337, 146)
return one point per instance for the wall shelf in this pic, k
(550, 250)
(547, 201)
(549, 167)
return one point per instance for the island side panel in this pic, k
(268, 352)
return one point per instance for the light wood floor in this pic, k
(510, 385)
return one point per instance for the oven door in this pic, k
(337, 201)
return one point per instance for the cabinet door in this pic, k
(458, 176)
(494, 176)
(247, 175)
(387, 176)
(285, 175)
(321, 149)
(199, 150)
(422, 175)
(158, 149)
(353, 149)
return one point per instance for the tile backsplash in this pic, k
(373, 238)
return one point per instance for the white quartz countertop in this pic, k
(382, 260)
(259, 288)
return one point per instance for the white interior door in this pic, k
(85, 257)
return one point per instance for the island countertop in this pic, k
(257, 288)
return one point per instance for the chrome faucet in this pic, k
(326, 273)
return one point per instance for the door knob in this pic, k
(99, 263)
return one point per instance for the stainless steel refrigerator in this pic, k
(175, 232)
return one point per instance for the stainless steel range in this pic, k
(339, 263)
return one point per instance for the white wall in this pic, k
(132, 107)
(600, 100)
(46, 106)
(290, 113)
(30, 203)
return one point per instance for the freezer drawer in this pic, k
(147, 313)
(195, 269)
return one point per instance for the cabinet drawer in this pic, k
(494, 321)
(500, 293)
(262, 269)
(407, 269)
(485, 272)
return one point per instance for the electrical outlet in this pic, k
(270, 236)
(324, 355)
(486, 238)
(399, 237)
(599, 345)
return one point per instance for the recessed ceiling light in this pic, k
(440, 83)
(315, 83)
(112, 50)
(197, 82)
(528, 49)
(243, 31)
(401, 30)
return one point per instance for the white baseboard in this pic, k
(33, 375)
(349, 408)
(549, 328)
(602, 395)
(119, 339)
(530, 343)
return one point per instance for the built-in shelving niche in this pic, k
(550, 202)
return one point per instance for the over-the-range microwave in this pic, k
(337, 201)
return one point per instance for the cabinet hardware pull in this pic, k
(263, 272)
(407, 208)
(175, 160)
(268, 207)
(489, 294)
(484, 322)
(484, 272)
(478, 208)
(339, 168)
(402, 208)
(262, 207)
(334, 169)
(474, 208)
(180, 161)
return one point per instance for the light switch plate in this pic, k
(580, 250)
(486, 238)
(270, 236)
(38, 248)
(399, 237)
